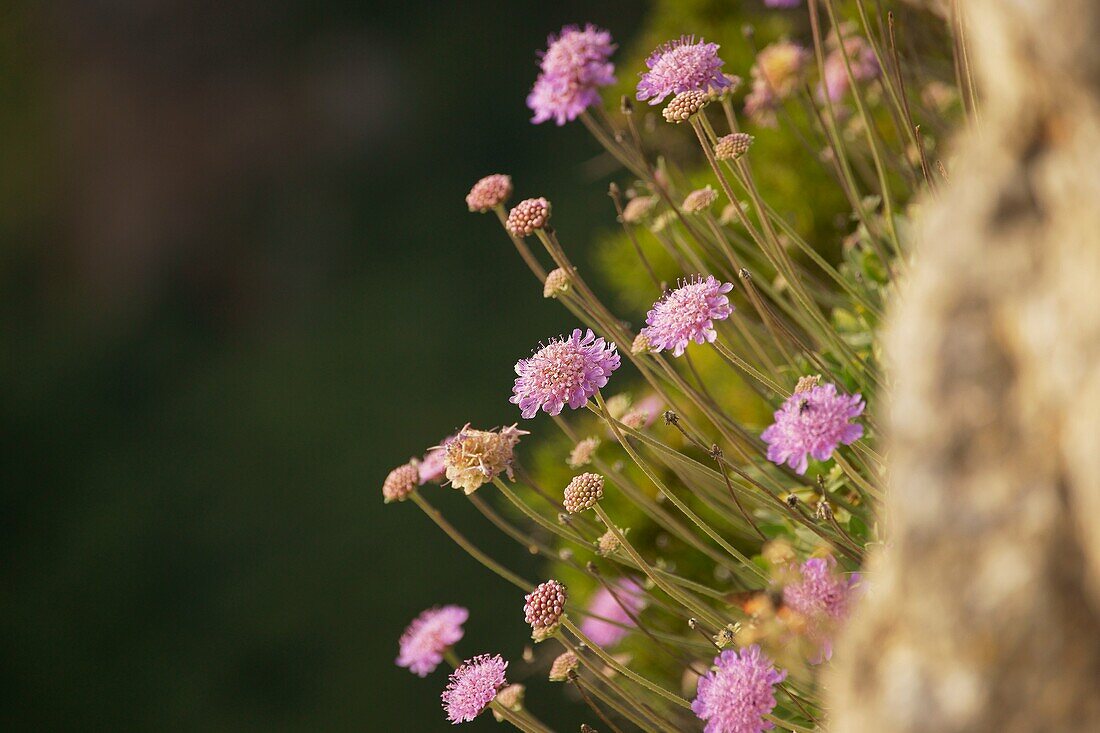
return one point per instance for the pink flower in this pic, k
(628, 596)
(543, 607)
(782, 3)
(861, 57)
(738, 693)
(490, 191)
(573, 68)
(473, 686)
(432, 466)
(688, 314)
(823, 597)
(813, 423)
(567, 371)
(430, 634)
(683, 65)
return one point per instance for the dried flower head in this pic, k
(735, 696)
(430, 634)
(563, 665)
(583, 492)
(473, 686)
(641, 345)
(608, 543)
(489, 192)
(688, 314)
(567, 371)
(573, 68)
(700, 200)
(684, 105)
(476, 456)
(557, 283)
(681, 66)
(544, 605)
(638, 208)
(582, 452)
(805, 384)
(618, 606)
(528, 216)
(400, 483)
(732, 146)
(510, 698)
(813, 423)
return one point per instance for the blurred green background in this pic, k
(238, 284)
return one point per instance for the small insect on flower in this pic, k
(683, 65)
(473, 686)
(735, 696)
(430, 635)
(688, 314)
(400, 483)
(567, 371)
(489, 192)
(813, 422)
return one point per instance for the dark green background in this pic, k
(238, 284)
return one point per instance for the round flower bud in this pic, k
(583, 492)
(489, 192)
(732, 147)
(566, 663)
(699, 200)
(511, 698)
(400, 483)
(528, 216)
(544, 605)
(638, 208)
(684, 105)
(557, 283)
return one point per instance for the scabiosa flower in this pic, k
(582, 452)
(400, 483)
(681, 66)
(567, 371)
(688, 314)
(528, 216)
(543, 607)
(557, 283)
(583, 492)
(489, 192)
(473, 686)
(474, 457)
(573, 68)
(813, 423)
(732, 146)
(627, 596)
(563, 665)
(684, 105)
(700, 200)
(428, 636)
(736, 695)
(432, 467)
(835, 83)
(823, 597)
(775, 76)
(608, 543)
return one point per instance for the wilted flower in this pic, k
(582, 452)
(638, 208)
(565, 663)
(688, 314)
(573, 68)
(700, 200)
(544, 605)
(428, 636)
(775, 76)
(684, 105)
(473, 686)
(528, 216)
(489, 192)
(822, 596)
(583, 492)
(613, 606)
(476, 456)
(681, 66)
(736, 695)
(567, 371)
(732, 146)
(608, 543)
(813, 423)
(400, 483)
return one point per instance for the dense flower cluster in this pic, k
(583, 492)
(574, 66)
(684, 105)
(400, 483)
(543, 607)
(428, 636)
(683, 65)
(736, 695)
(687, 314)
(473, 686)
(813, 423)
(528, 216)
(567, 371)
(489, 192)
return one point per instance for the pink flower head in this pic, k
(682, 65)
(473, 686)
(736, 695)
(627, 596)
(573, 68)
(543, 607)
(428, 636)
(813, 423)
(782, 3)
(823, 597)
(861, 57)
(489, 192)
(688, 314)
(567, 371)
(432, 466)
